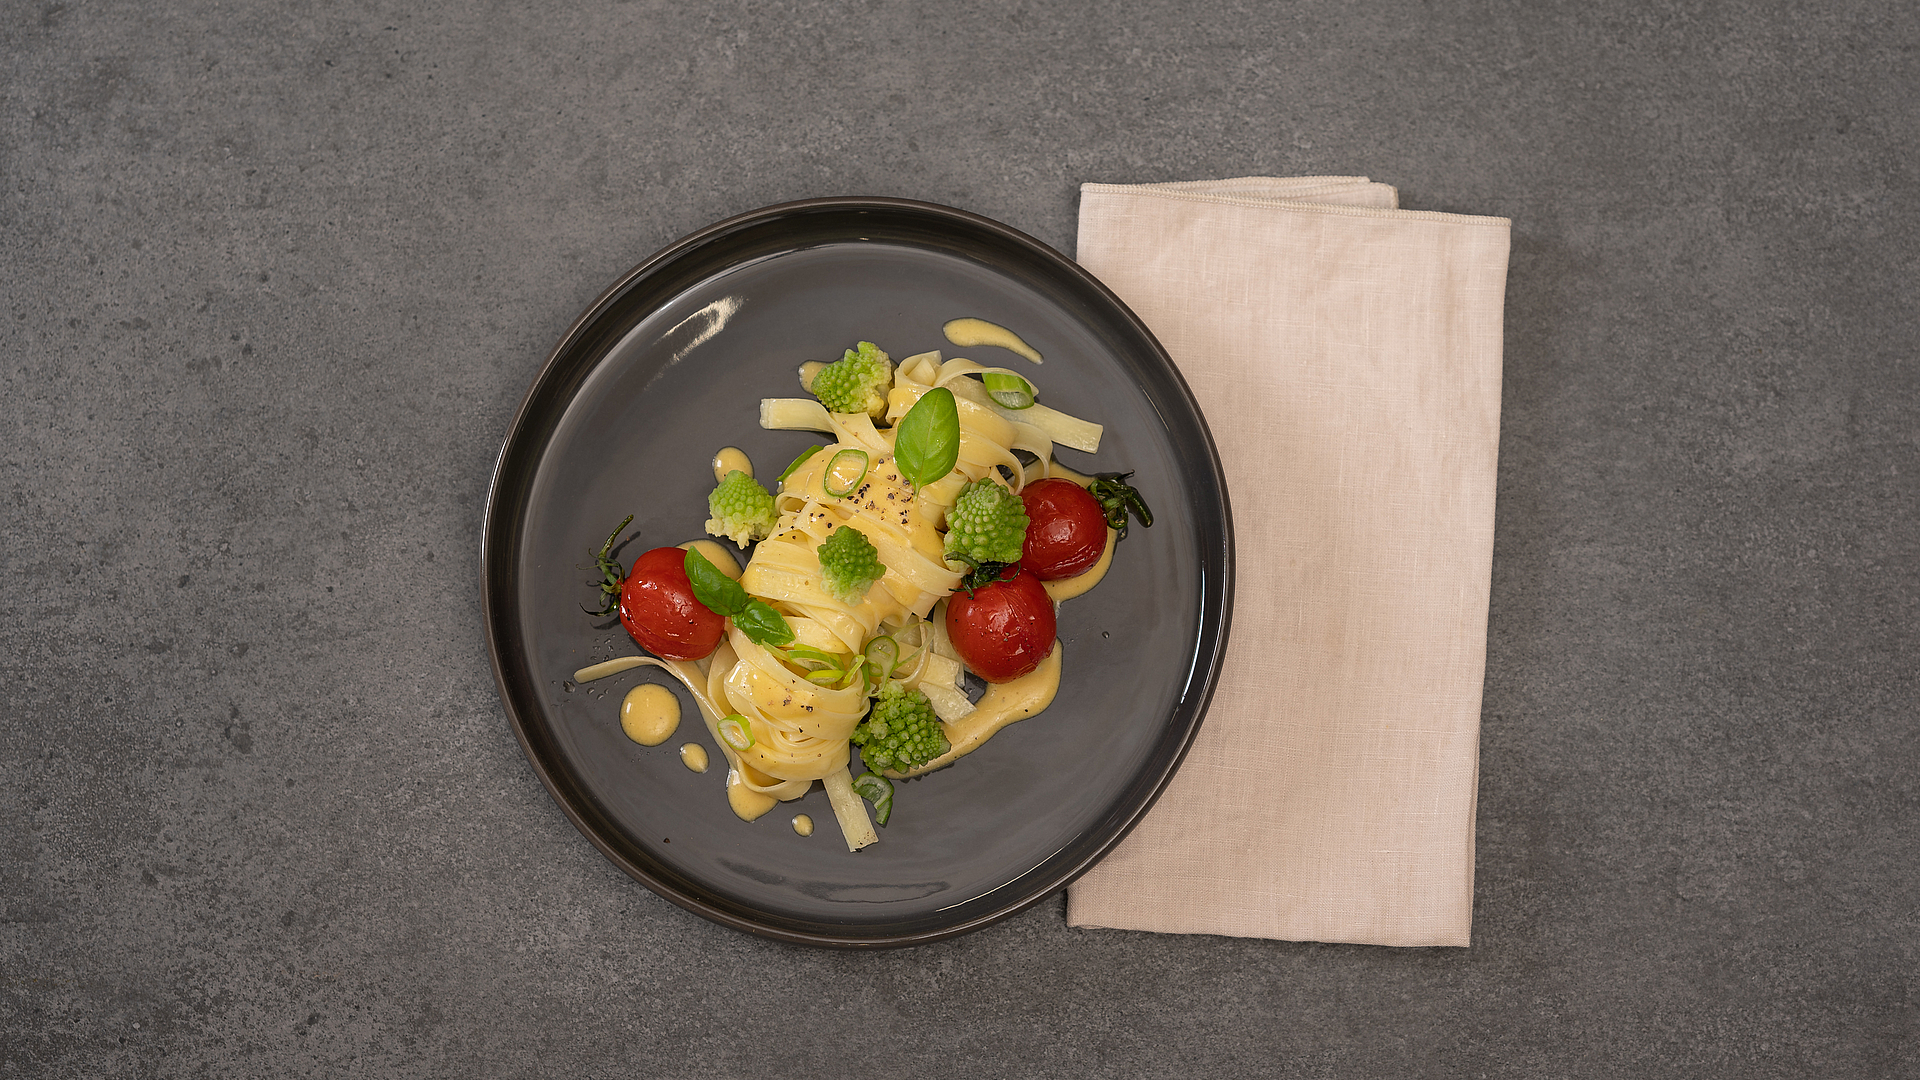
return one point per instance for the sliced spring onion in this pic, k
(883, 654)
(1010, 391)
(845, 472)
(799, 461)
(877, 790)
(822, 668)
(807, 654)
(737, 732)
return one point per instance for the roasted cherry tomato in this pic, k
(1002, 629)
(1066, 531)
(658, 608)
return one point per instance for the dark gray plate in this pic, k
(670, 365)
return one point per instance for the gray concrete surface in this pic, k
(276, 277)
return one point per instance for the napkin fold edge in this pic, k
(1303, 202)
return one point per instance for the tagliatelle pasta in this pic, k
(834, 660)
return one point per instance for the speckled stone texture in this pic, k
(278, 273)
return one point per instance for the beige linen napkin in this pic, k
(1347, 356)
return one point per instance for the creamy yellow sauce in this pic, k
(747, 803)
(1068, 588)
(694, 756)
(803, 824)
(967, 333)
(650, 714)
(1002, 704)
(717, 555)
(729, 459)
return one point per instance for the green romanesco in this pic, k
(901, 732)
(988, 523)
(742, 510)
(849, 564)
(857, 382)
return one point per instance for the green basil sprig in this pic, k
(926, 442)
(723, 596)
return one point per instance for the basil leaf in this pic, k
(762, 624)
(877, 790)
(799, 461)
(721, 594)
(926, 442)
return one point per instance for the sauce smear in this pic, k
(967, 333)
(1002, 704)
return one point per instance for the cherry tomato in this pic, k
(658, 608)
(1005, 628)
(1066, 531)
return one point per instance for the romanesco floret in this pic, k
(742, 510)
(901, 732)
(988, 523)
(857, 382)
(849, 564)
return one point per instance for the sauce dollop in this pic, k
(650, 714)
(728, 459)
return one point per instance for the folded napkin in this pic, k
(1347, 356)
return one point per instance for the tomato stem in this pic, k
(982, 573)
(611, 574)
(1116, 498)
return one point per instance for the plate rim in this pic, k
(1212, 645)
